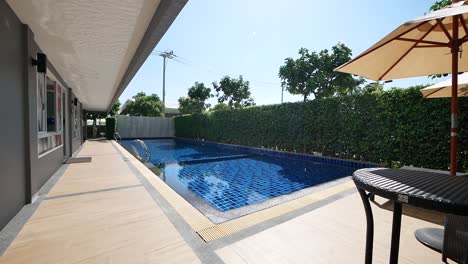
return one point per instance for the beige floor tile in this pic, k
(333, 234)
(228, 255)
(117, 226)
(104, 172)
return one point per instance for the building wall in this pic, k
(22, 170)
(42, 166)
(13, 134)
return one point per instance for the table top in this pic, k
(430, 190)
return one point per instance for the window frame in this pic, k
(76, 119)
(49, 141)
(41, 103)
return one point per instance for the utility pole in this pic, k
(165, 55)
(282, 90)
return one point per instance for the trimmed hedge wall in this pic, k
(110, 127)
(396, 128)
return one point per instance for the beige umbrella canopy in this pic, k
(431, 44)
(419, 47)
(444, 89)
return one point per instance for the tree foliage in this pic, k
(220, 107)
(195, 102)
(372, 88)
(144, 105)
(115, 109)
(440, 4)
(235, 92)
(314, 73)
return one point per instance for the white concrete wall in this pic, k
(145, 127)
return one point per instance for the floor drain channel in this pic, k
(211, 233)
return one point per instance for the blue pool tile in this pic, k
(232, 184)
(230, 176)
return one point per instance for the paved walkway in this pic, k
(108, 211)
(99, 212)
(335, 233)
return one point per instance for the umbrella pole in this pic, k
(454, 105)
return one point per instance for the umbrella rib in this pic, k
(408, 51)
(464, 39)
(463, 23)
(444, 29)
(433, 46)
(427, 96)
(383, 44)
(424, 41)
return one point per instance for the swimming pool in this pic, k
(165, 151)
(230, 177)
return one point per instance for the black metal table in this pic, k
(429, 190)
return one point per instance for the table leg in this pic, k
(370, 226)
(396, 227)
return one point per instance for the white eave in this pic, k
(97, 46)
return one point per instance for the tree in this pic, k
(314, 73)
(220, 107)
(372, 88)
(144, 105)
(236, 92)
(440, 4)
(195, 102)
(115, 109)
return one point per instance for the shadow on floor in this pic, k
(415, 212)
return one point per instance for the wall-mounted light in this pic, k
(40, 62)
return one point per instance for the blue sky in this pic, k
(253, 37)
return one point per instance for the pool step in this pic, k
(213, 159)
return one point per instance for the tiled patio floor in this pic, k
(334, 233)
(101, 212)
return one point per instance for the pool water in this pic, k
(228, 179)
(164, 151)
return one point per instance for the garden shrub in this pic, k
(395, 128)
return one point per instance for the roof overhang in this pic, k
(97, 46)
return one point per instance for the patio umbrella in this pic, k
(431, 44)
(444, 89)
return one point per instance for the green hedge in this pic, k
(110, 127)
(396, 128)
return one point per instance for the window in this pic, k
(76, 120)
(51, 106)
(41, 103)
(49, 113)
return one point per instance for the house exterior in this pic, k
(171, 112)
(59, 58)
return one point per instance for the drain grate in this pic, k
(212, 233)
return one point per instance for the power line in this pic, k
(179, 59)
(209, 69)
